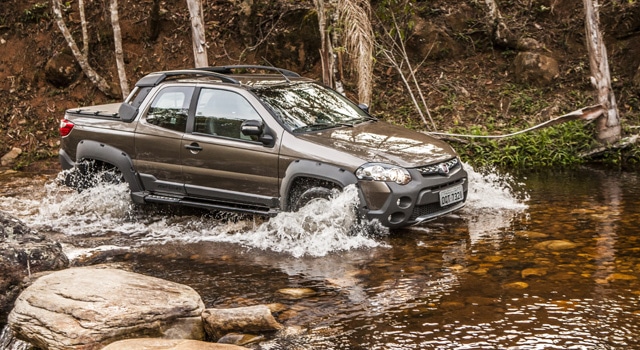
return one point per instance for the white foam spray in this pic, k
(492, 202)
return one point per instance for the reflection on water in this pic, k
(552, 265)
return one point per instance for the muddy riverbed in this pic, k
(538, 261)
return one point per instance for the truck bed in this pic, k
(104, 111)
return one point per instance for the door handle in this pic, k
(194, 147)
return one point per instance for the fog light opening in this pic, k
(396, 217)
(403, 202)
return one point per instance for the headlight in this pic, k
(383, 172)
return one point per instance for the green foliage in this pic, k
(524, 101)
(400, 12)
(558, 146)
(36, 13)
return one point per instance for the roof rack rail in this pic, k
(228, 69)
(153, 79)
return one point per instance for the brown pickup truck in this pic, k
(259, 140)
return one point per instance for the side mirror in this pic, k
(252, 127)
(364, 107)
(256, 129)
(127, 112)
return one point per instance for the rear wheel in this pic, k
(89, 173)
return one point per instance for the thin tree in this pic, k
(117, 39)
(93, 76)
(608, 125)
(85, 32)
(391, 44)
(197, 33)
(327, 57)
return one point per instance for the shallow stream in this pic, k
(539, 261)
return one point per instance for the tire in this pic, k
(317, 193)
(87, 174)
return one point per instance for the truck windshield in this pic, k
(309, 106)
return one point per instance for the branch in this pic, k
(586, 113)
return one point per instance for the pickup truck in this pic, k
(258, 140)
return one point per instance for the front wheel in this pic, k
(311, 195)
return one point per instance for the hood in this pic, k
(384, 143)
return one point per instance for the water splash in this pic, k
(492, 202)
(316, 230)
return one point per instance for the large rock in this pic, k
(536, 69)
(23, 252)
(90, 307)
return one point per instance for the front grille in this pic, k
(432, 209)
(442, 168)
(444, 185)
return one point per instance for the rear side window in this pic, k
(221, 113)
(170, 108)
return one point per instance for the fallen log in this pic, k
(622, 144)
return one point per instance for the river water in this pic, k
(549, 260)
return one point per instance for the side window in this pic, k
(170, 108)
(221, 113)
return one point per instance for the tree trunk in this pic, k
(85, 32)
(117, 39)
(93, 76)
(500, 33)
(608, 125)
(154, 21)
(326, 48)
(197, 34)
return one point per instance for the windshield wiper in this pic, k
(318, 126)
(321, 126)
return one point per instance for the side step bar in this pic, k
(143, 197)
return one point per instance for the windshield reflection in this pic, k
(309, 106)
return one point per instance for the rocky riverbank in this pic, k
(96, 306)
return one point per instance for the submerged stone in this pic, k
(555, 245)
(531, 234)
(533, 272)
(517, 285)
(168, 344)
(297, 293)
(621, 277)
(240, 339)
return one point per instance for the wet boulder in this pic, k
(23, 252)
(90, 307)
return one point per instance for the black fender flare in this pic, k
(315, 170)
(101, 151)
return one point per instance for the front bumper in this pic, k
(396, 205)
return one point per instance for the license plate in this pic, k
(451, 195)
